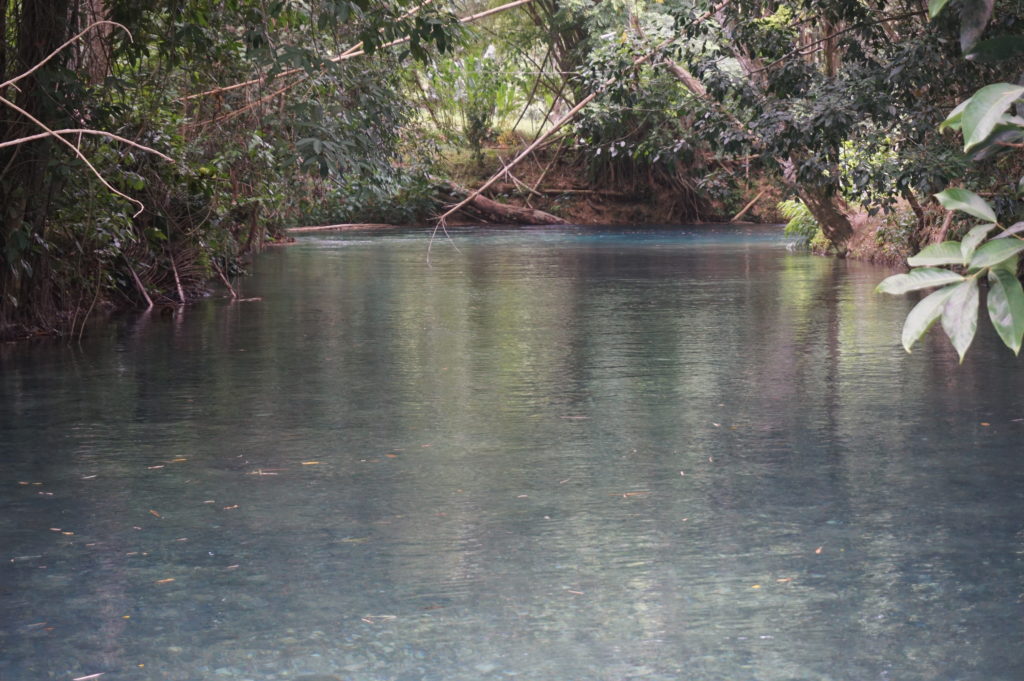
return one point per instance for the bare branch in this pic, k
(85, 131)
(77, 153)
(53, 54)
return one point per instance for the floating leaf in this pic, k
(973, 238)
(966, 201)
(924, 314)
(985, 109)
(995, 252)
(946, 253)
(1006, 307)
(922, 277)
(960, 315)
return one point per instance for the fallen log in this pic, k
(345, 227)
(508, 188)
(492, 211)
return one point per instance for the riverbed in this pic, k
(679, 454)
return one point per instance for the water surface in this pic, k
(548, 455)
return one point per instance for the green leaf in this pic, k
(996, 251)
(1016, 228)
(1008, 265)
(985, 109)
(923, 277)
(954, 119)
(946, 253)
(967, 202)
(1008, 132)
(998, 49)
(960, 315)
(924, 314)
(973, 238)
(1006, 307)
(974, 16)
(935, 6)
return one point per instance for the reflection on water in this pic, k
(547, 455)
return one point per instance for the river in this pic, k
(543, 455)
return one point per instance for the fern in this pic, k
(801, 224)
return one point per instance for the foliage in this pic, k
(471, 95)
(988, 252)
(247, 158)
(800, 223)
(956, 302)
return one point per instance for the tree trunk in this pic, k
(32, 30)
(492, 211)
(828, 210)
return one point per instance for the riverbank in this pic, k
(553, 183)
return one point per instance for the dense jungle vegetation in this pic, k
(147, 147)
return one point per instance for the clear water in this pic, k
(547, 456)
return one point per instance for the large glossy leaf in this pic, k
(995, 251)
(1015, 228)
(985, 109)
(998, 49)
(955, 117)
(1008, 132)
(935, 6)
(960, 315)
(1006, 307)
(946, 253)
(974, 237)
(924, 314)
(915, 280)
(1010, 265)
(974, 16)
(967, 202)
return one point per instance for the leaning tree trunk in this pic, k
(828, 210)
